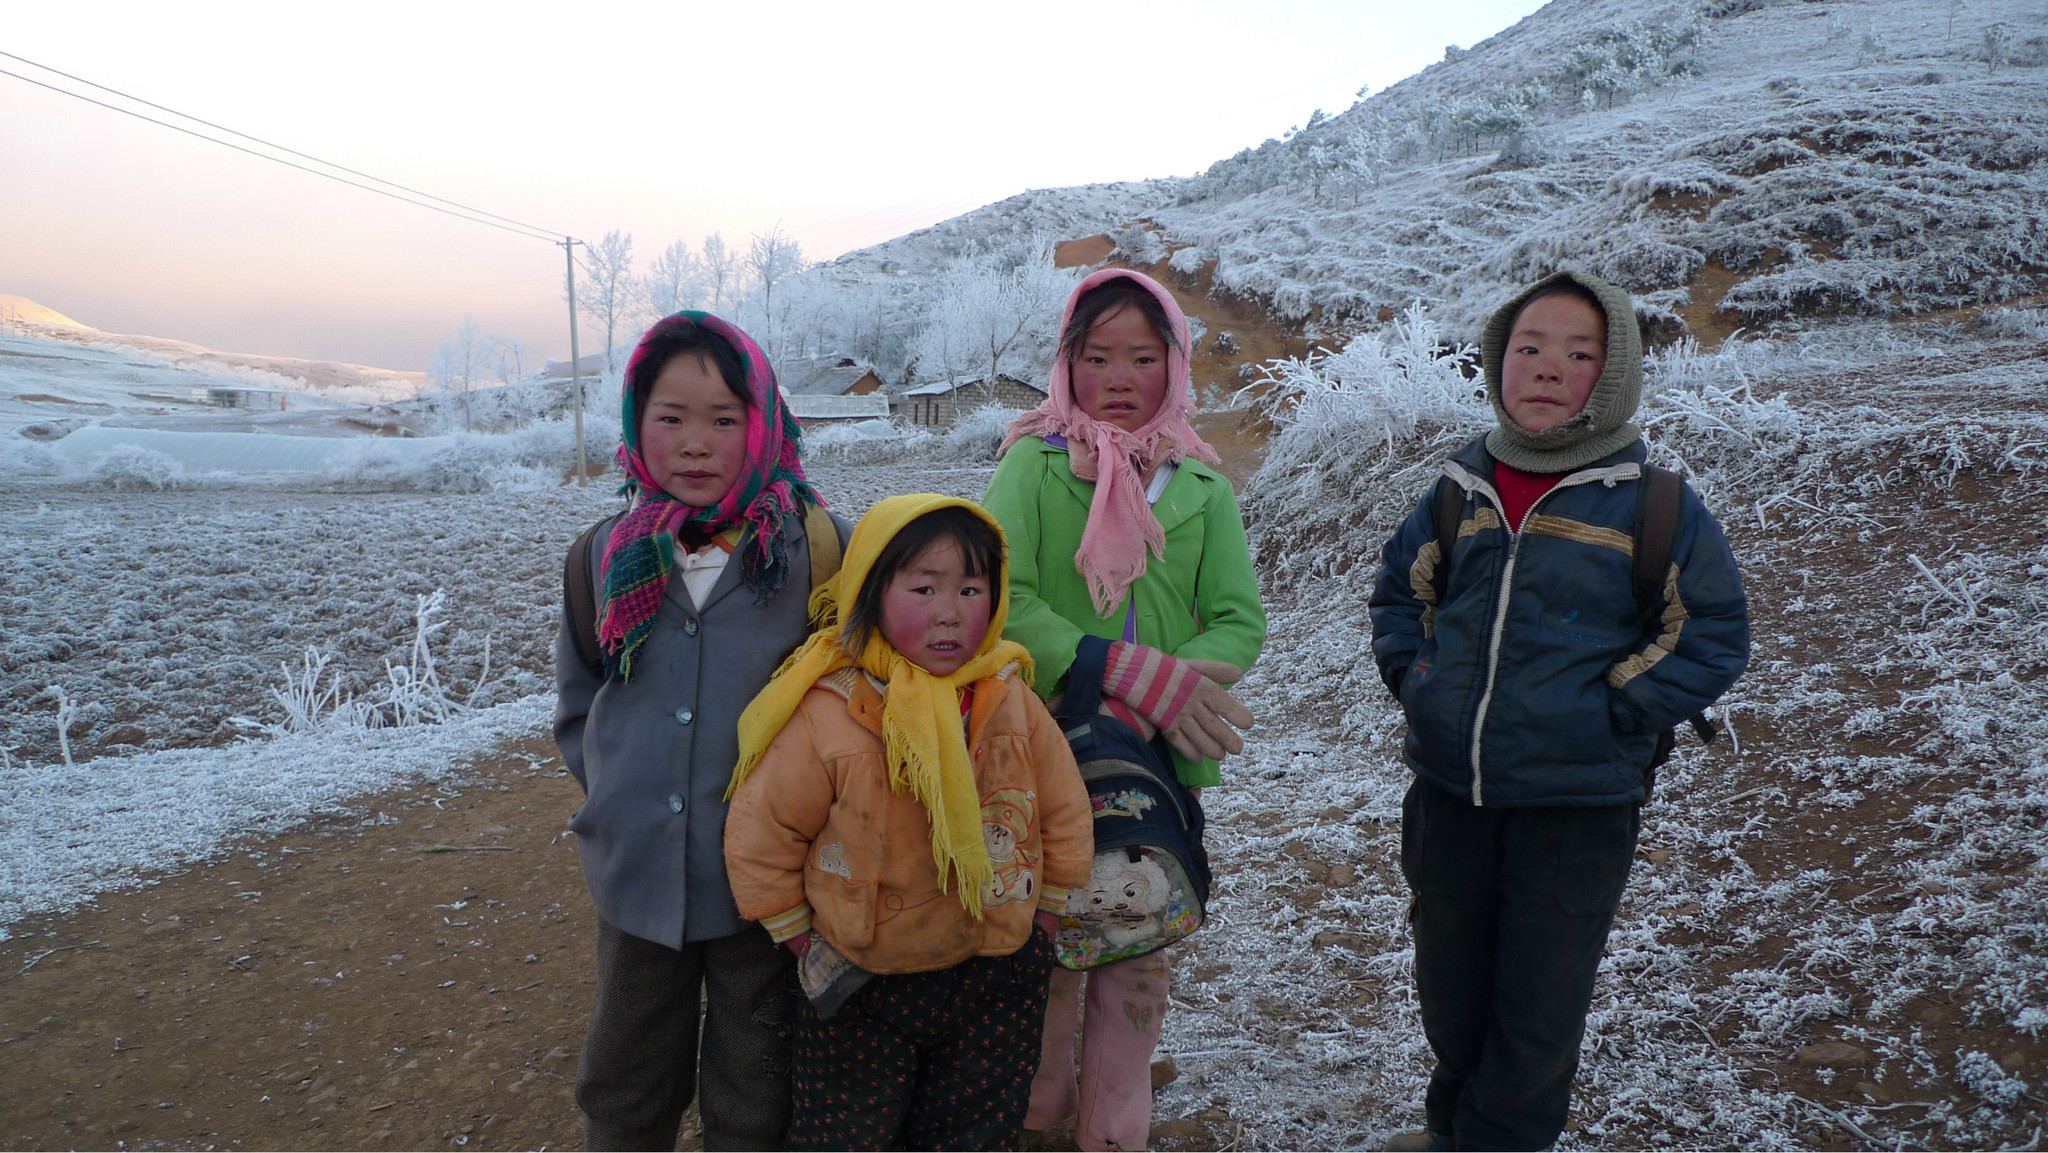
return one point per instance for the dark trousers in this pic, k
(1511, 913)
(641, 1065)
(939, 1060)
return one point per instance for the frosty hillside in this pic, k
(1829, 212)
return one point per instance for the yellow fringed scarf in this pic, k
(927, 746)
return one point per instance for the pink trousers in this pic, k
(1113, 1098)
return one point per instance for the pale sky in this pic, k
(844, 123)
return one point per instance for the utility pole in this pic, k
(569, 244)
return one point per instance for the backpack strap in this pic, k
(1657, 507)
(1657, 503)
(824, 541)
(1084, 681)
(1450, 511)
(578, 592)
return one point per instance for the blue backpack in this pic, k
(1149, 882)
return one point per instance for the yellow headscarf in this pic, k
(927, 745)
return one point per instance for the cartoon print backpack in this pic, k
(1149, 883)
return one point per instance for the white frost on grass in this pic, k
(234, 583)
(76, 830)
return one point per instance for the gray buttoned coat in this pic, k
(654, 754)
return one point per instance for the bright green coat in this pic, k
(1200, 601)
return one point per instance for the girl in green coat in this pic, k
(1121, 528)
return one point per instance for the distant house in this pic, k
(591, 367)
(810, 410)
(829, 388)
(941, 404)
(826, 376)
(260, 398)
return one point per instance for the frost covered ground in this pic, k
(1869, 870)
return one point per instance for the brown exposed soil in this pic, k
(1083, 252)
(420, 983)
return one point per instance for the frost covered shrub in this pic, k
(1354, 427)
(1383, 384)
(978, 434)
(2017, 323)
(314, 697)
(1987, 1079)
(534, 457)
(1526, 148)
(132, 466)
(972, 441)
(20, 456)
(499, 408)
(1139, 245)
(866, 442)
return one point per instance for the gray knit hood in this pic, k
(1603, 427)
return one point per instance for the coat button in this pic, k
(690, 628)
(684, 716)
(675, 802)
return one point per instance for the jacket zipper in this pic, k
(1507, 580)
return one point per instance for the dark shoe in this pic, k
(1417, 1141)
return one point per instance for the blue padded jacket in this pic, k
(1537, 682)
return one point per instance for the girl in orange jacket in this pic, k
(907, 817)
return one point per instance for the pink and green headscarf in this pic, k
(641, 553)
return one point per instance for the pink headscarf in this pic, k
(1121, 526)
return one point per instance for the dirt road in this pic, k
(416, 978)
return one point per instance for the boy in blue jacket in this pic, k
(1535, 695)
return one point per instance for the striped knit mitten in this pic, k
(1148, 683)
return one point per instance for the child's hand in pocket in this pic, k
(799, 944)
(1047, 922)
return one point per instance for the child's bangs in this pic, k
(981, 553)
(1106, 300)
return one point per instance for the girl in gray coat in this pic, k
(700, 591)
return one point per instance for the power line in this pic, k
(266, 143)
(445, 291)
(527, 230)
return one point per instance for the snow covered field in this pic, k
(168, 618)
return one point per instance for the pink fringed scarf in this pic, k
(1121, 527)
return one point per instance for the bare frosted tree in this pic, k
(460, 362)
(771, 259)
(721, 268)
(509, 355)
(1953, 8)
(674, 281)
(608, 291)
(990, 310)
(1997, 45)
